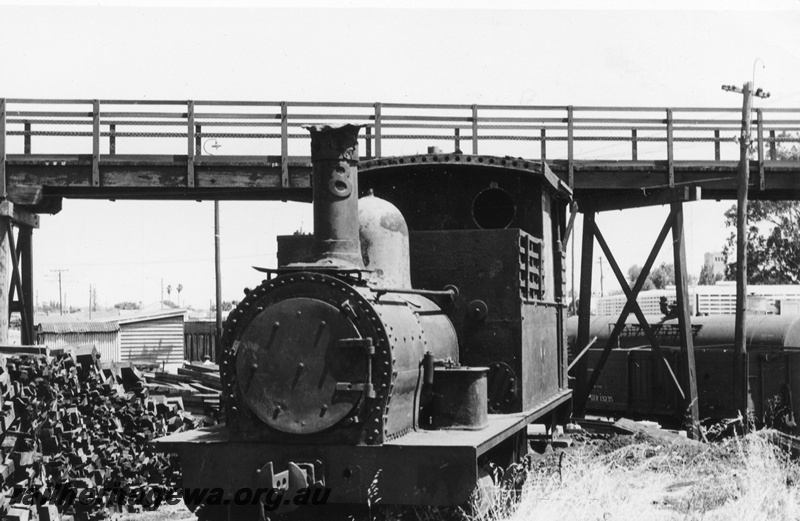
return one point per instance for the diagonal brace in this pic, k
(626, 310)
(573, 211)
(16, 283)
(637, 310)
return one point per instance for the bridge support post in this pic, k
(689, 372)
(584, 312)
(5, 277)
(16, 276)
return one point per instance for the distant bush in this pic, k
(128, 305)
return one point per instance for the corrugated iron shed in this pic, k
(77, 327)
(153, 338)
(104, 335)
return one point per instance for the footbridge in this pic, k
(609, 157)
(225, 150)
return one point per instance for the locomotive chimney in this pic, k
(334, 156)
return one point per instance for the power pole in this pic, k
(60, 301)
(740, 330)
(218, 281)
(217, 257)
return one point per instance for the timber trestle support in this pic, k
(586, 381)
(16, 270)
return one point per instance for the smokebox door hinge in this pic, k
(363, 343)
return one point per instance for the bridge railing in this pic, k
(274, 129)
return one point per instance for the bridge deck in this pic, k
(121, 149)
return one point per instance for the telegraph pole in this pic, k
(740, 330)
(218, 281)
(60, 302)
(217, 257)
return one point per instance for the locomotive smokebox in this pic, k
(334, 156)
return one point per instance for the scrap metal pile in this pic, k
(70, 426)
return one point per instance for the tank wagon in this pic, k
(635, 384)
(404, 347)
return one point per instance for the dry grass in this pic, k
(635, 478)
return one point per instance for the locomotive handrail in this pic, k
(570, 133)
(449, 292)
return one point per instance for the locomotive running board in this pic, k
(436, 468)
(500, 428)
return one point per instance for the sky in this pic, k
(504, 52)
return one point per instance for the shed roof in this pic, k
(78, 327)
(169, 313)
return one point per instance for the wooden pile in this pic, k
(197, 386)
(68, 422)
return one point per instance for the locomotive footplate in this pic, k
(438, 468)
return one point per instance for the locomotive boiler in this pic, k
(393, 356)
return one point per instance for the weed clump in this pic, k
(634, 477)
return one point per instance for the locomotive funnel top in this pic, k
(334, 156)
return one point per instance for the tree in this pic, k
(179, 288)
(227, 305)
(633, 274)
(127, 305)
(773, 242)
(773, 235)
(708, 277)
(659, 278)
(663, 276)
(169, 292)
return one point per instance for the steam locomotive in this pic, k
(404, 347)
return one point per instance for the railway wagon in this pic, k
(405, 347)
(636, 384)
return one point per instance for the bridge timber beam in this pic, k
(38, 181)
(718, 179)
(626, 199)
(33, 178)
